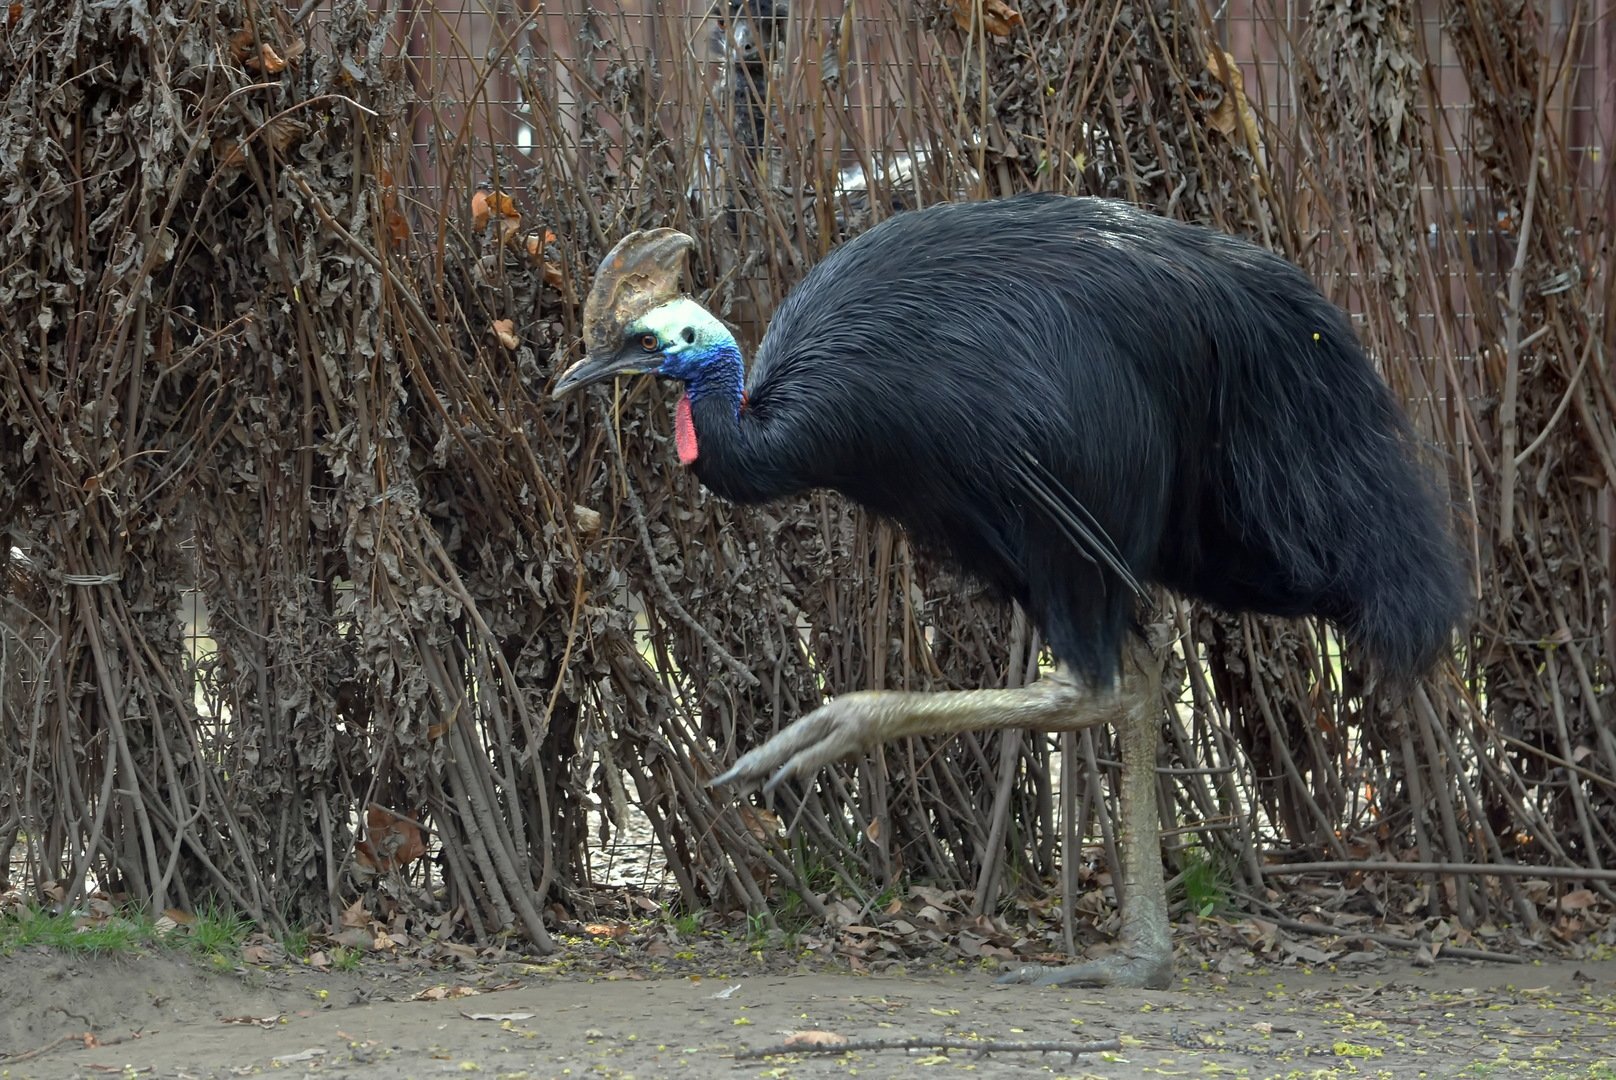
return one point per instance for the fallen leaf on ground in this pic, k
(815, 1038)
(1577, 899)
(355, 914)
(442, 993)
(355, 937)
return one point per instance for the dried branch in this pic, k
(980, 1048)
(256, 370)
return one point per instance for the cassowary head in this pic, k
(637, 321)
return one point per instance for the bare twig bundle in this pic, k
(310, 590)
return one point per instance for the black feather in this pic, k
(1067, 511)
(1198, 414)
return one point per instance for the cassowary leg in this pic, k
(1145, 955)
(858, 722)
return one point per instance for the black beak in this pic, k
(593, 369)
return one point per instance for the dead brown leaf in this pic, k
(355, 914)
(260, 56)
(1233, 113)
(444, 993)
(283, 133)
(228, 153)
(536, 243)
(762, 824)
(1577, 900)
(353, 937)
(487, 205)
(815, 1038)
(391, 840)
(269, 61)
(997, 17)
(505, 334)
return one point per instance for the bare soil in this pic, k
(164, 1015)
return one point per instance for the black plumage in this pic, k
(997, 375)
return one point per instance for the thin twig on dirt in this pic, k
(1376, 866)
(86, 1039)
(977, 1047)
(29, 1055)
(1457, 952)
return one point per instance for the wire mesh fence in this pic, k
(310, 589)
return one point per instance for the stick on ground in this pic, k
(978, 1047)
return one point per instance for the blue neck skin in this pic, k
(716, 371)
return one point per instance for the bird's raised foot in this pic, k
(1153, 971)
(848, 725)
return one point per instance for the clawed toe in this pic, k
(742, 771)
(829, 733)
(753, 767)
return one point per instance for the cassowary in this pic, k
(1070, 398)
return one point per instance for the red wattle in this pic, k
(684, 431)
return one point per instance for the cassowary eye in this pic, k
(649, 342)
(688, 334)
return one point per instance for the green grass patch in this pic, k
(298, 942)
(70, 933)
(1205, 882)
(217, 932)
(213, 934)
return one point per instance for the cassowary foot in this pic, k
(841, 728)
(1144, 970)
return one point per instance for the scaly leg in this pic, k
(1145, 958)
(858, 722)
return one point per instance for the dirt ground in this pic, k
(165, 1016)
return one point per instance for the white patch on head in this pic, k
(670, 321)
